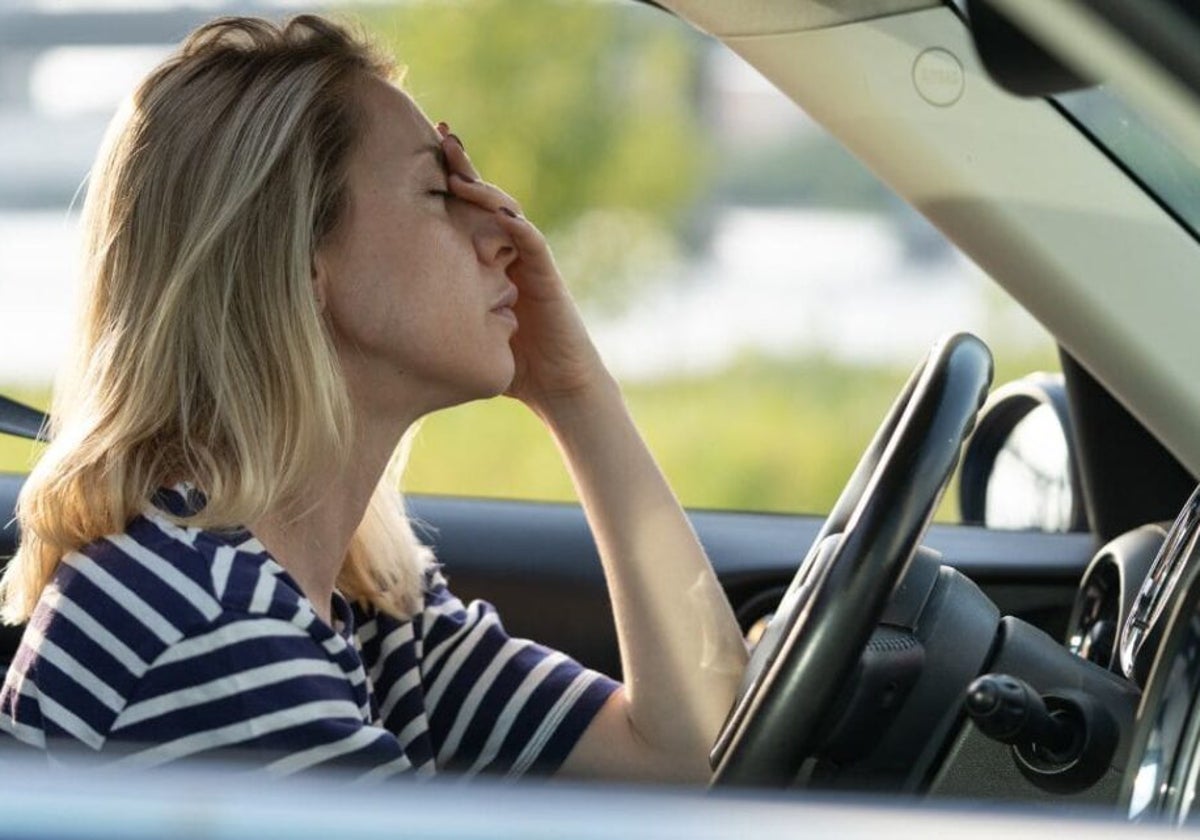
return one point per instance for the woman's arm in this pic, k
(681, 648)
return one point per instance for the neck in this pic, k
(311, 539)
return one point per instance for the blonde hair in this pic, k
(202, 353)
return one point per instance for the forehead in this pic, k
(393, 120)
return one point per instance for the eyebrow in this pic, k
(434, 149)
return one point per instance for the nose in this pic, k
(493, 246)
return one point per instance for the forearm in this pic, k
(681, 649)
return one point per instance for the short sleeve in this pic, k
(497, 704)
(259, 687)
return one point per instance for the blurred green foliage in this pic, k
(761, 435)
(16, 454)
(589, 114)
(575, 109)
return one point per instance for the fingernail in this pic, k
(455, 138)
(509, 213)
(443, 129)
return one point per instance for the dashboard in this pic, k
(1138, 614)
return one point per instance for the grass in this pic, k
(17, 454)
(780, 437)
(761, 435)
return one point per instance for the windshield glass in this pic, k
(1141, 148)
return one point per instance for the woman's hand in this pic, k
(556, 362)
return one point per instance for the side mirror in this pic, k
(1019, 470)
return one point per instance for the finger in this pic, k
(525, 235)
(487, 196)
(456, 156)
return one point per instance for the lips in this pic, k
(508, 299)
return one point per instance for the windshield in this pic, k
(1165, 171)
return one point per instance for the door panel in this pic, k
(538, 564)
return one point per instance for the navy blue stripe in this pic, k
(235, 708)
(114, 616)
(573, 725)
(85, 649)
(532, 714)
(441, 717)
(401, 660)
(190, 561)
(68, 693)
(240, 656)
(483, 721)
(161, 596)
(441, 638)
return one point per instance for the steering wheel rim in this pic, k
(842, 587)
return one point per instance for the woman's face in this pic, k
(411, 276)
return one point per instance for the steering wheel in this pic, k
(840, 590)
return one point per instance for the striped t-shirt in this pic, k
(164, 643)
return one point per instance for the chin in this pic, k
(494, 381)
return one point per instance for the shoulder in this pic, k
(148, 586)
(110, 610)
(118, 604)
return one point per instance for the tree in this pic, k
(587, 116)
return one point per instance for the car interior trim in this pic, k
(1062, 228)
(763, 17)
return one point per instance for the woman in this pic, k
(288, 266)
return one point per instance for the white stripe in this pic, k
(461, 651)
(470, 705)
(366, 632)
(242, 730)
(222, 565)
(512, 708)
(407, 682)
(71, 722)
(335, 644)
(263, 590)
(100, 634)
(230, 634)
(251, 545)
(305, 616)
(386, 771)
(415, 728)
(357, 677)
(550, 723)
(470, 619)
(23, 732)
(187, 588)
(176, 532)
(391, 643)
(228, 685)
(125, 597)
(304, 759)
(73, 668)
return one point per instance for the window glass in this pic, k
(760, 296)
(1164, 169)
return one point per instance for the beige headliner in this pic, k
(727, 18)
(1035, 204)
